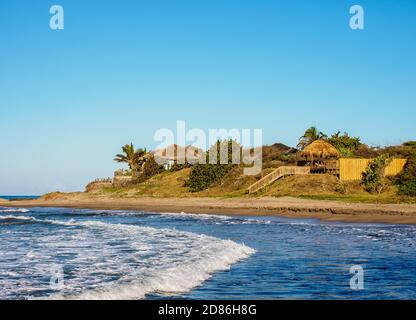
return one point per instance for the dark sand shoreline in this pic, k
(266, 206)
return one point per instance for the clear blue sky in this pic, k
(122, 69)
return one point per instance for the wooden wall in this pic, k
(351, 169)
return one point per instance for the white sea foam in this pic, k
(141, 260)
(214, 217)
(204, 256)
(173, 280)
(23, 210)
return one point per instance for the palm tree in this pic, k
(133, 157)
(310, 136)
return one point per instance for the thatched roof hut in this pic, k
(319, 149)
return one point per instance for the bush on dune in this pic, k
(406, 180)
(202, 176)
(150, 169)
(373, 178)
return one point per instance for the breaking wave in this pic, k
(212, 218)
(13, 210)
(10, 219)
(138, 260)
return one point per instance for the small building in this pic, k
(321, 157)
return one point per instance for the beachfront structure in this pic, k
(177, 154)
(320, 157)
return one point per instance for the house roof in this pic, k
(178, 153)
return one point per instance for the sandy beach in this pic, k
(265, 206)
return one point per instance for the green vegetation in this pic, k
(410, 144)
(362, 198)
(373, 178)
(177, 167)
(310, 136)
(202, 176)
(345, 144)
(227, 179)
(149, 169)
(133, 157)
(407, 179)
(341, 187)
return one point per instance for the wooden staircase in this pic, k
(277, 174)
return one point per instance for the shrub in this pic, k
(406, 180)
(365, 151)
(373, 178)
(149, 169)
(177, 167)
(403, 151)
(410, 144)
(202, 176)
(341, 188)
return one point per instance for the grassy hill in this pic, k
(234, 184)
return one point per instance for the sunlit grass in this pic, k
(362, 198)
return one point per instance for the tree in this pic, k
(310, 136)
(373, 178)
(345, 144)
(149, 168)
(133, 157)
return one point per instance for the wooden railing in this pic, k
(277, 174)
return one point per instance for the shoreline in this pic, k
(288, 207)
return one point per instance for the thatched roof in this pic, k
(319, 149)
(178, 153)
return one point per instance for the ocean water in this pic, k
(58, 253)
(18, 197)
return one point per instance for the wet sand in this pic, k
(265, 206)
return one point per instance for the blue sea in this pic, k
(18, 197)
(58, 253)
